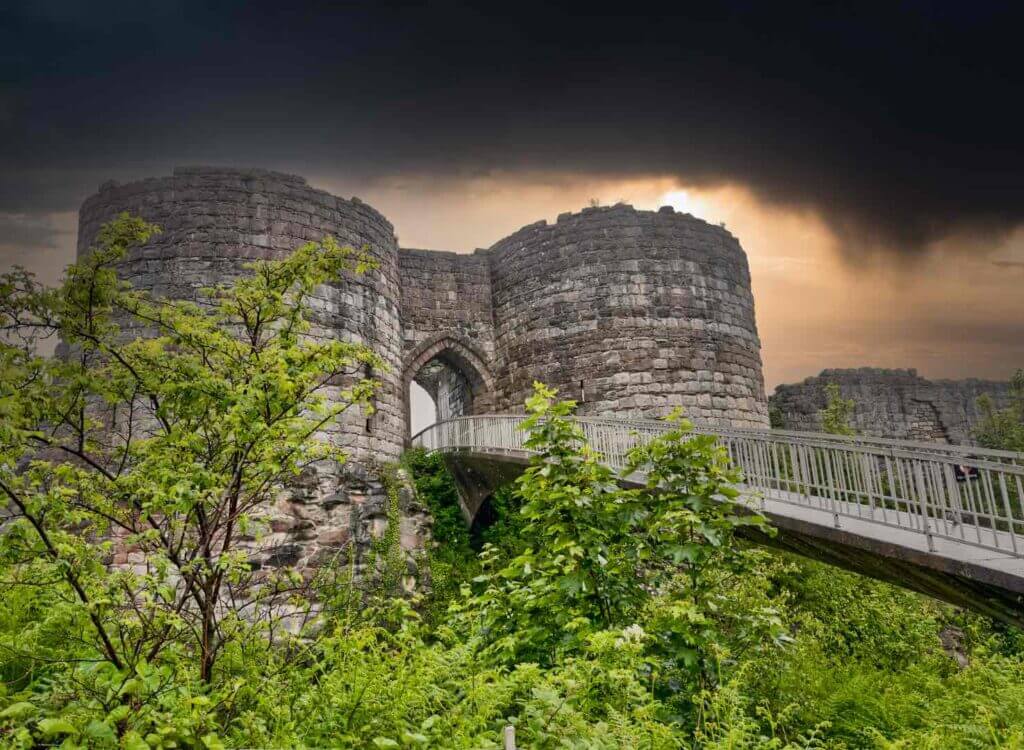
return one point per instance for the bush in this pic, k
(1003, 429)
(835, 417)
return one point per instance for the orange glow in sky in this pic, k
(956, 311)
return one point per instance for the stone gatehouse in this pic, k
(631, 313)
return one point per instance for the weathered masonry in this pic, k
(892, 403)
(630, 312)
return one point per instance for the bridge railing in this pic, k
(967, 494)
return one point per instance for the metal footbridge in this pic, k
(944, 520)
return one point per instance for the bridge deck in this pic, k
(952, 554)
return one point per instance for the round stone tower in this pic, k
(215, 220)
(631, 313)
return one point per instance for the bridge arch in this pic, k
(455, 374)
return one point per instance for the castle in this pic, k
(631, 313)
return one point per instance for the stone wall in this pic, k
(348, 529)
(631, 312)
(892, 403)
(308, 529)
(448, 329)
(446, 294)
(215, 220)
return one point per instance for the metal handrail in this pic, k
(966, 451)
(967, 494)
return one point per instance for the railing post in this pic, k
(1009, 512)
(826, 459)
(922, 498)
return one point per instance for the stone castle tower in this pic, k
(631, 313)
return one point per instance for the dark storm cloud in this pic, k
(899, 123)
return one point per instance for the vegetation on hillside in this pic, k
(857, 663)
(1003, 429)
(591, 616)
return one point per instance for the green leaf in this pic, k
(130, 687)
(20, 710)
(100, 730)
(56, 726)
(688, 656)
(688, 552)
(384, 742)
(132, 741)
(212, 742)
(119, 713)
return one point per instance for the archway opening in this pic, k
(483, 523)
(498, 520)
(446, 379)
(422, 409)
(447, 386)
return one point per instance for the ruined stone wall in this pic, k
(892, 403)
(215, 220)
(448, 329)
(633, 312)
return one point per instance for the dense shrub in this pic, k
(1003, 429)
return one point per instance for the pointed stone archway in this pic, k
(453, 372)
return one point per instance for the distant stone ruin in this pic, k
(897, 404)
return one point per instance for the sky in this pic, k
(867, 156)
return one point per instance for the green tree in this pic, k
(653, 560)
(1003, 429)
(835, 417)
(690, 516)
(619, 616)
(436, 488)
(575, 574)
(168, 447)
